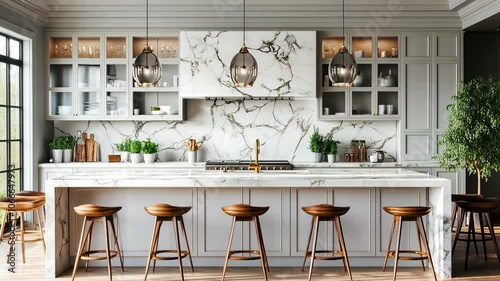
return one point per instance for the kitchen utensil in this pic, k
(380, 156)
(381, 109)
(193, 145)
(80, 150)
(390, 109)
(373, 158)
(326, 111)
(136, 111)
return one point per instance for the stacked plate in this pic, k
(111, 104)
(64, 110)
(91, 108)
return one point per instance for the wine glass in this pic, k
(174, 51)
(327, 47)
(162, 51)
(56, 50)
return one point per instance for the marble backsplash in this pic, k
(228, 129)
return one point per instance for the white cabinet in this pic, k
(286, 61)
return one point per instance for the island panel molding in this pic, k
(286, 60)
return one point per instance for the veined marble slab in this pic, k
(57, 192)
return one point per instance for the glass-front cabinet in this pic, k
(90, 78)
(375, 93)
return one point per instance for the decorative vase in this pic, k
(331, 158)
(192, 156)
(67, 155)
(135, 158)
(57, 155)
(149, 158)
(318, 157)
(124, 155)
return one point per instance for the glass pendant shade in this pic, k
(342, 69)
(243, 69)
(147, 69)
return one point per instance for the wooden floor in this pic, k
(34, 270)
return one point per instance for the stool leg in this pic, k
(308, 244)
(261, 251)
(41, 230)
(426, 244)
(315, 242)
(457, 234)
(419, 243)
(481, 225)
(116, 241)
(469, 232)
(398, 244)
(106, 237)
(83, 239)
(263, 245)
(471, 220)
(23, 246)
(394, 220)
(178, 245)
(183, 227)
(151, 247)
(156, 244)
(89, 238)
(454, 216)
(229, 248)
(334, 225)
(340, 234)
(492, 233)
(4, 220)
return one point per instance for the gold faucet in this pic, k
(255, 165)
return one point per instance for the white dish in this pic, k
(157, 112)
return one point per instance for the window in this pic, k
(11, 113)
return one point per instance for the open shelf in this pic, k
(362, 47)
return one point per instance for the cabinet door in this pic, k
(447, 76)
(454, 176)
(417, 45)
(417, 95)
(213, 224)
(275, 223)
(397, 197)
(447, 45)
(417, 146)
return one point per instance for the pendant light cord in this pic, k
(147, 22)
(343, 22)
(244, 23)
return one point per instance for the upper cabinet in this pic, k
(375, 93)
(90, 78)
(286, 62)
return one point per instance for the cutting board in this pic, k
(80, 155)
(91, 149)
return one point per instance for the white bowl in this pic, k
(157, 112)
(167, 109)
(83, 85)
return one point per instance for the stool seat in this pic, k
(483, 205)
(94, 211)
(244, 210)
(35, 195)
(325, 210)
(20, 204)
(166, 210)
(462, 197)
(410, 211)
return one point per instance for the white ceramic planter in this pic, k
(192, 156)
(57, 155)
(149, 158)
(135, 158)
(67, 155)
(331, 158)
(318, 157)
(124, 155)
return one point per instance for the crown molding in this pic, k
(34, 10)
(478, 10)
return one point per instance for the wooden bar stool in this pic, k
(244, 212)
(461, 197)
(165, 212)
(326, 212)
(402, 214)
(480, 206)
(92, 213)
(18, 207)
(37, 196)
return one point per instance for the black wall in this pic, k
(482, 58)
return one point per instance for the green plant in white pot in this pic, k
(150, 149)
(316, 145)
(124, 149)
(330, 148)
(135, 151)
(473, 138)
(62, 148)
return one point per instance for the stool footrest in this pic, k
(324, 258)
(242, 258)
(421, 255)
(87, 255)
(155, 257)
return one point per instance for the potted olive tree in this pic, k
(135, 151)
(62, 148)
(316, 145)
(473, 137)
(149, 148)
(330, 148)
(124, 149)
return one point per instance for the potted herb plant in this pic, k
(62, 148)
(473, 135)
(124, 149)
(316, 145)
(330, 148)
(149, 148)
(135, 151)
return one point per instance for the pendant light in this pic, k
(243, 67)
(343, 68)
(147, 68)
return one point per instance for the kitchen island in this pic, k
(285, 226)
